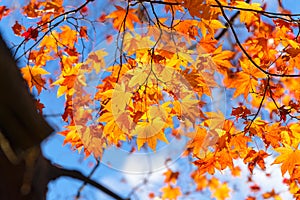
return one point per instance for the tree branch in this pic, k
(244, 50)
(231, 21)
(63, 16)
(89, 176)
(57, 172)
(257, 11)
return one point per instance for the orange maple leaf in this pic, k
(4, 11)
(33, 76)
(120, 15)
(254, 158)
(171, 177)
(244, 81)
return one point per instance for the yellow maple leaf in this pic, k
(222, 192)
(289, 158)
(93, 141)
(120, 98)
(68, 79)
(96, 60)
(210, 26)
(49, 41)
(247, 16)
(149, 132)
(170, 192)
(215, 120)
(68, 37)
(139, 77)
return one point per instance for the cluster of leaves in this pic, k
(169, 56)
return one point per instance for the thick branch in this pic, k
(57, 172)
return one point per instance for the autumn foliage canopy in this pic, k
(220, 76)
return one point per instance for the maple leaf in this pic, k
(197, 8)
(18, 28)
(289, 158)
(68, 79)
(245, 80)
(174, 7)
(102, 18)
(83, 32)
(271, 134)
(254, 158)
(170, 176)
(71, 136)
(240, 112)
(206, 164)
(68, 36)
(236, 171)
(84, 9)
(188, 108)
(199, 142)
(96, 60)
(93, 141)
(33, 77)
(139, 76)
(119, 16)
(49, 41)
(222, 59)
(210, 25)
(120, 99)
(214, 120)
(55, 6)
(151, 140)
(239, 144)
(68, 109)
(271, 194)
(200, 180)
(225, 160)
(32, 9)
(255, 188)
(4, 11)
(31, 33)
(245, 16)
(187, 27)
(41, 57)
(170, 192)
(39, 106)
(222, 192)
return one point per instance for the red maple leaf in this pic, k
(31, 33)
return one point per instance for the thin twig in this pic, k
(231, 21)
(253, 10)
(89, 176)
(244, 50)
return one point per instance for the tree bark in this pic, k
(24, 171)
